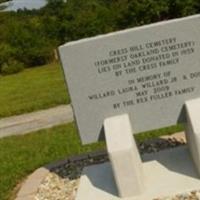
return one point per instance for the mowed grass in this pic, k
(31, 90)
(21, 155)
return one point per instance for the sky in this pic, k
(29, 4)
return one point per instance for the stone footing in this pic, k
(166, 173)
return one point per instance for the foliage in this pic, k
(31, 36)
(11, 67)
(6, 52)
(32, 47)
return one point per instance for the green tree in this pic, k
(32, 47)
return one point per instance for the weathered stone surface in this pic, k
(147, 72)
(30, 186)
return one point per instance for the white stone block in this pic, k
(193, 130)
(123, 153)
(167, 173)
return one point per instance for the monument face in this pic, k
(147, 72)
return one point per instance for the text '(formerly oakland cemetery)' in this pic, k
(138, 62)
(146, 72)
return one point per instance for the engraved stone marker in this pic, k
(148, 72)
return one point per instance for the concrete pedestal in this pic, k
(193, 130)
(166, 173)
(124, 156)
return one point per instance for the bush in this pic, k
(12, 67)
(6, 52)
(31, 36)
(32, 47)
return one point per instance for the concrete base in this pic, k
(166, 173)
(124, 156)
(193, 130)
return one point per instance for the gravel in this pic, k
(62, 181)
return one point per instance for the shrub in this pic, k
(12, 67)
(31, 36)
(6, 52)
(33, 48)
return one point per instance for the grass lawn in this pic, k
(21, 155)
(31, 90)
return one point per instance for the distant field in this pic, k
(31, 90)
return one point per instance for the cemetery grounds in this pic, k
(31, 90)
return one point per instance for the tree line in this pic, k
(29, 38)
